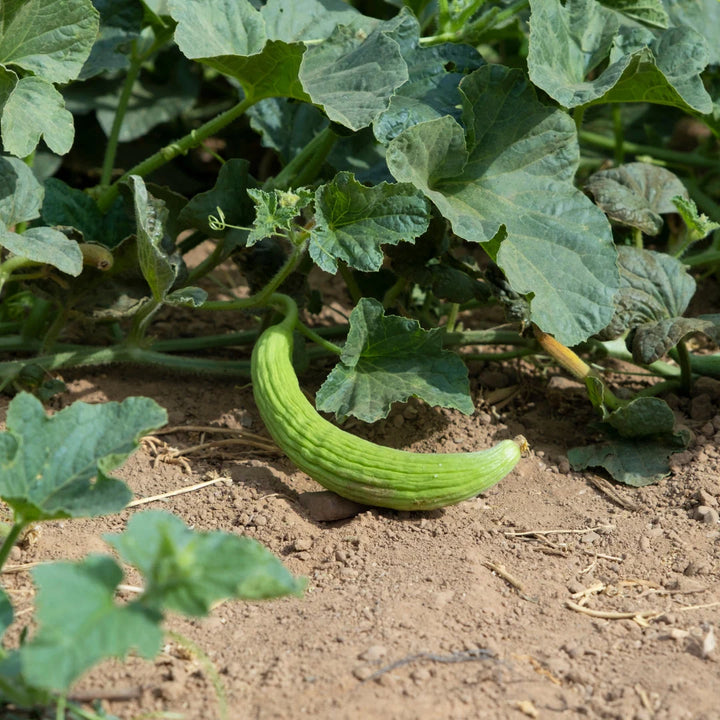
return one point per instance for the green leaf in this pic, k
(67, 206)
(213, 28)
(158, 267)
(650, 341)
(649, 12)
(49, 38)
(311, 20)
(568, 43)
(702, 16)
(352, 76)
(229, 194)
(388, 359)
(34, 109)
(276, 211)
(698, 224)
(45, 245)
(513, 166)
(47, 464)
(286, 126)
(81, 623)
(14, 688)
(187, 571)
(354, 221)
(637, 194)
(633, 461)
(642, 417)
(655, 290)
(120, 24)
(21, 195)
(432, 88)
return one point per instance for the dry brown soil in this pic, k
(555, 595)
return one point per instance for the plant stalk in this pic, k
(10, 539)
(170, 152)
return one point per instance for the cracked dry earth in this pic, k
(555, 595)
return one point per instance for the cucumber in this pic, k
(351, 466)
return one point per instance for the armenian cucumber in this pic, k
(351, 466)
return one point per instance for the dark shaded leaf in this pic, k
(637, 194)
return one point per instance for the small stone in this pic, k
(398, 420)
(362, 672)
(420, 675)
(564, 466)
(705, 498)
(695, 567)
(302, 544)
(326, 506)
(702, 407)
(590, 537)
(260, 520)
(707, 515)
(373, 653)
(645, 543)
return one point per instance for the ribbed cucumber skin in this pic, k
(355, 468)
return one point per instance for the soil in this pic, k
(556, 594)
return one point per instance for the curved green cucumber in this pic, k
(351, 466)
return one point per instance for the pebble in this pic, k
(702, 407)
(326, 506)
(707, 515)
(362, 672)
(302, 544)
(564, 466)
(373, 653)
(260, 520)
(590, 537)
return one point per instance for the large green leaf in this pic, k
(432, 88)
(48, 464)
(635, 461)
(44, 245)
(215, 28)
(311, 20)
(353, 76)
(81, 623)
(650, 12)
(187, 571)
(513, 166)
(33, 109)
(569, 42)
(49, 38)
(655, 290)
(21, 195)
(388, 359)
(353, 221)
(637, 194)
(120, 24)
(701, 15)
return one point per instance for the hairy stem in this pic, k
(171, 151)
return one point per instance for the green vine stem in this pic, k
(305, 166)
(136, 62)
(11, 538)
(683, 356)
(163, 156)
(672, 157)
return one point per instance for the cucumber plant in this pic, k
(437, 159)
(58, 467)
